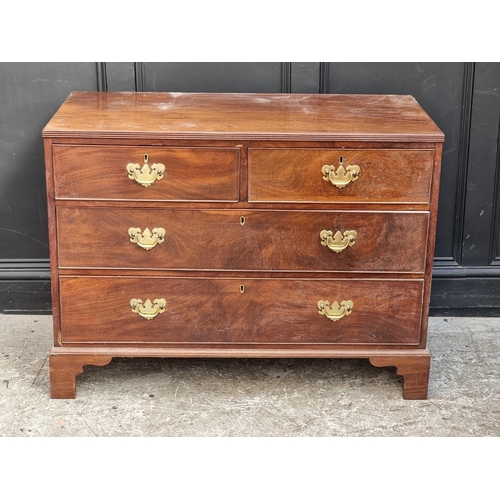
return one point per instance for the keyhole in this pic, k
(242, 220)
(341, 160)
(146, 158)
(242, 288)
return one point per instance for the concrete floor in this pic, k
(254, 397)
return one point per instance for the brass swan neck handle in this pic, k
(147, 239)
(146, 175)
(335, 311)
(148, 309)
(342, 176)
(338, 242)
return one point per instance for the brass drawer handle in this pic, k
(146, 175)
(147, 239)
(342, 176)
(338, 242)
(335, 311)
(147, 309)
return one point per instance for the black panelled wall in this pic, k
(462, 98)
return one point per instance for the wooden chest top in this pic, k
(325, 117)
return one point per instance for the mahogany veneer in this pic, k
(241, 225)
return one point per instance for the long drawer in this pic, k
(338, 175)
(358, 241)
(117, 310)
(146, 173)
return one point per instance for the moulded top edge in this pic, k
(243, 117)
(221, 136)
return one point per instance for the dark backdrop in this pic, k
(462, 98)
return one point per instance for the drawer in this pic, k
(125, 173)
(118, 310)
(375, 241)
(332, 176)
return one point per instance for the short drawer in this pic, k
(119, 310)
(144, 173)
(357, 241)
(331, 176)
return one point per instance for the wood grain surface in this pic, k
(217, 240)
(218, 116)
(98, 172)
(203, 310)
(386, 176)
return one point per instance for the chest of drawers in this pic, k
(241, 225)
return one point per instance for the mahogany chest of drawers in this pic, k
(241, 225)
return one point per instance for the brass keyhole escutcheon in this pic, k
(242, 220)
(242, 288)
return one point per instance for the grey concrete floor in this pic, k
(253, 397)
